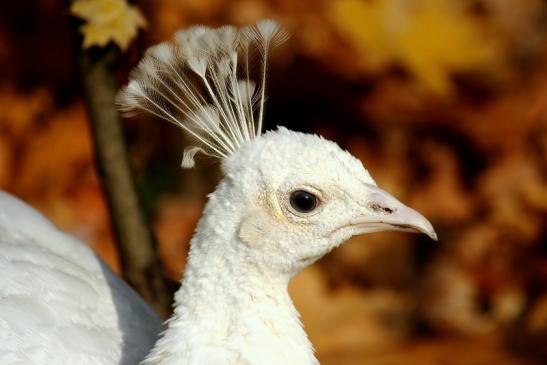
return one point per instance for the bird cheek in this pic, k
(256, 228)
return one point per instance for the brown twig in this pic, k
(141, 266)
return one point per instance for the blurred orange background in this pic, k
(444, 101)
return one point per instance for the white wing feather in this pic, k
(59, 303)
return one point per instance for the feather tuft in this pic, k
(162, 52)
(268, 32)
(188, 160)
(202, 83)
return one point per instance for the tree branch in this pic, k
(141, 266)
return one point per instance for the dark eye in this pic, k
(303, 201)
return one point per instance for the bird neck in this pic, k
(228, 307)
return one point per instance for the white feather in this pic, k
(201, 82)
(188, 157)
(60, 304)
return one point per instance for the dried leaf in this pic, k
(56, 155)
(108, 20)
(430, 38)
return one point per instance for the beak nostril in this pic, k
(383, 212)
(387, 210)
(375, 207)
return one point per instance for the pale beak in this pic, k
(385, 213)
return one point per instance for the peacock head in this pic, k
(302, 195)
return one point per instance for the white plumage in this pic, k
(286, 200)
(59, 303)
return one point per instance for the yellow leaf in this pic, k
(108, 21)
(432, 39)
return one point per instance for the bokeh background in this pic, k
(444, 101)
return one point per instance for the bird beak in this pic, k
(385, 213)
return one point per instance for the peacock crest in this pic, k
(202, 81)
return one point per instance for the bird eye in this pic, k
(303, 201)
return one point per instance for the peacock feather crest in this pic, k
(203, 82)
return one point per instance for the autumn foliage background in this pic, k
(444, 101)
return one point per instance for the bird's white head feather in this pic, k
(267, 173)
